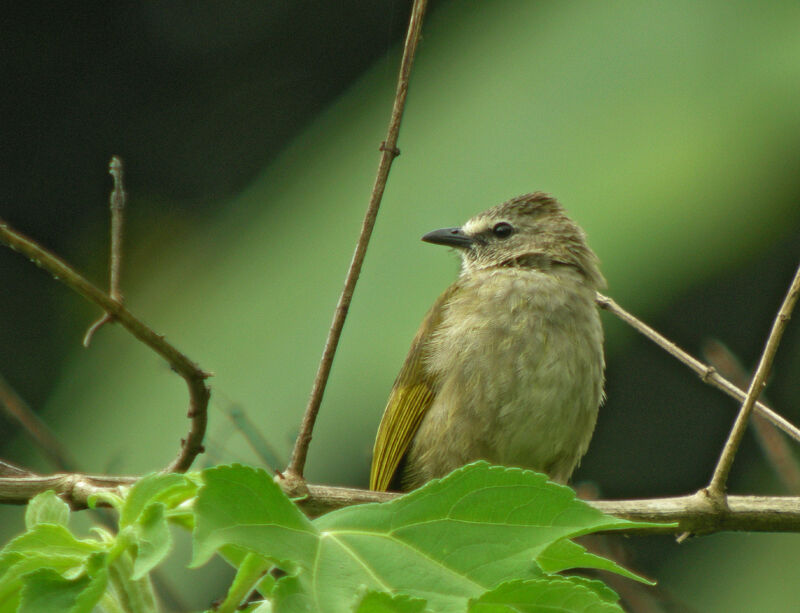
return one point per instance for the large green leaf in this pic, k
(453, 538)
(447, 542)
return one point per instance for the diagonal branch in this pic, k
(195, 378)
(294, 472)
(716, 488)
(775, 447)
(34, 427)
(705, 372)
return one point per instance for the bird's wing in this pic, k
(411, 397)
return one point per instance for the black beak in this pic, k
(452, 237)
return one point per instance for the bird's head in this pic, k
(529, 231)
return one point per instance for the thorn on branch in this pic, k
(716, 498)
(393, 150)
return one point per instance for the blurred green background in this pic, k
(250, 130)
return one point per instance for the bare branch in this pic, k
(74, 488)
(191, 373)
(693, 514)
(117, 202)
(294, 472)
(776, 448)
(706, 373)
(34, 427)
(716, 488)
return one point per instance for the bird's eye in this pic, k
(502, 229)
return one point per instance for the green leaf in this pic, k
(235, 556)
(451, 539)
(597, 586)
(48, 547)
(10, 604)
(53, 540)
(250, 575)
(550, 594)
(46, 591)
(143, 518)
(382, 602)
(14, 567)
(444, 543)
(291, 595)
(242, 506)
(46, 508)
(152, 539)
(10, 582)
(565, 554)
(169, 489)
(133, 595)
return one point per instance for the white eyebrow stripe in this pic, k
(476, 226)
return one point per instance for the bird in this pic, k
(508, 363)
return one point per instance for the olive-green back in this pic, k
(411, 397)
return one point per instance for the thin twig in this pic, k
(7, 469)
(716, 487)
(775, 447)
(117, 202)
(389, 151)
(706, 373)
(35, 428)
(255, 439)
(191, 373)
